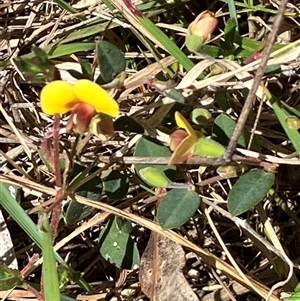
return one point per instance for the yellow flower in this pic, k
(182, 142)
(59, 97)
(84, 99)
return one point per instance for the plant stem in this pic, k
(57, 209)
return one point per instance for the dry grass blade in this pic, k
(207, 257)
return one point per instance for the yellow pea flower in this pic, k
(182, 142)
(83, 99)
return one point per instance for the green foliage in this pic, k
(38, 68)
(139, 34)
(9, 278)
(91, 189)
(223, 129)
(63, 4)
(169, 45)
(149, 147)
(50, 277)
(282, 112)
(9, 202)
(110, 59)
(208, 148)
(233, 17)
(154, 177)
(294, 296)
(116, 185)
(200, 116)
(128, 124)
(116, 245)
(229, 35)
(86, 71)
(177, 207)
(249, 190)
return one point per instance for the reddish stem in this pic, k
(57, 209)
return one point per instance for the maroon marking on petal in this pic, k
(80, 118)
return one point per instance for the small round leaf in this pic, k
(177, 207)
(116, 185)
(249, 190)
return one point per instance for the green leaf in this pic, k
(116, 185)
(155, 32)
(128, 124)
(76, 211)
(50, 277)
(233, 15)
(223, 130)
(37, 68)
(212, 51)
(229, 34)
(149, 147)
(110, 59)
(200, 116)
(69, 8)
(86, 69)
(282, 112)
(249, 190)
(55, 51)
(154, 177)
(295, 296)
(208, 148)
(116, 245)
(175, 95)
(9, 278)
(177, 207)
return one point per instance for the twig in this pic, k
(192, 161)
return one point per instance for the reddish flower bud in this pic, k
(200, 30)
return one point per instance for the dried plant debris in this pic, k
(161, 274)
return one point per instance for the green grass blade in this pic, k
(8, 200)
(50, 277)
(10, 204)
(232, 12)
(69, 8)
(282, 114)
(256, 8)
(168, 44)
(148, 28)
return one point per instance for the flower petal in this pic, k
(80, 118)
(176, 138)
(184, 124)
(183, 151)
(57, 97)
(91, 93)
